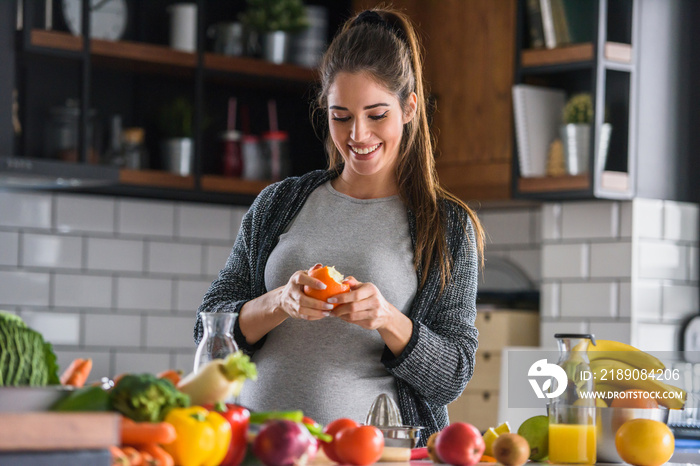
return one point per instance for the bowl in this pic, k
(26, 399)
(608, 420)
(401, 436)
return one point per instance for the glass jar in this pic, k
(572, 414)
(217, 341)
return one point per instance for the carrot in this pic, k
(134, 456)
(174, 375)
(139, 433)
(148, 459)
(77, 372)
(161, 456)
(119, 458)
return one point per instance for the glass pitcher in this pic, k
(572, 414)
(217, 340)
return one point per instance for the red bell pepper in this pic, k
(239, 418)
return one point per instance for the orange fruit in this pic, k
(333, 281)
(644, 442)
(634, 398)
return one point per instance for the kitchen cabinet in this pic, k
(631, 57)
(469, 54)
(498, 328)
(135, 77)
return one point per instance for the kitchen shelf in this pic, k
(224, 184)
(155, 178)
(162, 59)
(581, 54)
(554, 183)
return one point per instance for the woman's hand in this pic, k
(364, 305)
(293, 302)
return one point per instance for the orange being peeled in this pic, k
(331, 278)
(644, 442)
(634, 398)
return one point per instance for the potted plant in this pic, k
(576, 135)
(272, 21)
(177, 144)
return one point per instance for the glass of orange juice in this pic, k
(572, 434)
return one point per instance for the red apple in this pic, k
(460, 444)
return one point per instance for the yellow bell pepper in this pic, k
(203, 436)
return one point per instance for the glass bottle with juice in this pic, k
(572, 417)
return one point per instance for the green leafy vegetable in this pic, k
(145, 397)
(25, 358)
(92, 398)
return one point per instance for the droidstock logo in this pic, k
(542, 368)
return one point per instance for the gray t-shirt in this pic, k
(329, 368)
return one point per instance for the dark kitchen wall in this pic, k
(7, 75)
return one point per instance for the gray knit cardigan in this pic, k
(438, 361)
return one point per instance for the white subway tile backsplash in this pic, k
(550, 299)
(148, 218)
(693, 261)
(590, 220)
(679, 301)
(112, 330)
(56, 328)
(612, 260)
(25, 210)
(204, 222)
(142, 293)
(83, 291)
(9, 248)
(237, 214)
(549, 328)
(551, 221)
(648, 218)
(170, 332)
(529, 260)
(141, 363)
(189, 294)
(589, 300)
(24, 288)
(115, 255)
(624, 309)
(55, 251)
(507, 226)
(185, 361)
(656, 336)
(680, 221)
(565, 260)
(175, 258)
(646, 299)
(84, 213)
(215, 258)
(626, 219)
(662, 260)
(606, 330)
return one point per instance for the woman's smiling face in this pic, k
(366, 123)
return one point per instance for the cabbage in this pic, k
(25, 358)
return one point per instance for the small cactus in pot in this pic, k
(579, 109)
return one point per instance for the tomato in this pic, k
(359, 445)
(644, 442)
(331, 278)
(332, 429)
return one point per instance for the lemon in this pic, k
(490, 436)
(503, 428)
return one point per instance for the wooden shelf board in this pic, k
(566, 54)
(56, 40)
(554, 183)
(232, 185)
(256, 67)
(156, 179)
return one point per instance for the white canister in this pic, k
(183, 26)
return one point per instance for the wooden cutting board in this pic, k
(58, 431)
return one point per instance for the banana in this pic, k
(606, 372)
(611, 349)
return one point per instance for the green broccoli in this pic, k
(145, 397)
(25, 358)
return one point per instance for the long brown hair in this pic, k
(383, 44)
